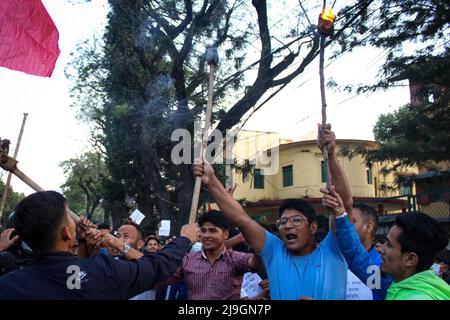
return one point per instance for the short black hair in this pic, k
(323, 223)
(37, 218)
(103, 226)
(423, 235)
(216, 218)
(151, 237)
(301, 206)
(139, 230)
(443, 256)
(369, 213)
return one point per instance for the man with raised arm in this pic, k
(42, 220)
(410, 248)
(296, 265)
(363, 217)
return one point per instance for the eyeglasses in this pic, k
(296, 221)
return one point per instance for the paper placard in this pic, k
(356, 290)
(250, 285)
(137, 217)
(164, 229)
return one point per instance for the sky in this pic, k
(52, 133)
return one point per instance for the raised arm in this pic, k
(254, 234)
(234, 241)
(106, 240)
(358, 258)
(326, 137)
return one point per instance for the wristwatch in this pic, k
(342, 215)
(126, 248)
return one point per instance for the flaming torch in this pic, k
(326, 22)
(325, 29)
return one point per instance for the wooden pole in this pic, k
(324, 106)
(212, 60)
(325, 29)
(8, 180)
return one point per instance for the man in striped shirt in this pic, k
(214, 272)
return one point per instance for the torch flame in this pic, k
(328, 15)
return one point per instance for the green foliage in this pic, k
(245, 170)
(84, 183)
(11, 201)
(415, 135)
(415, 36)
(409, 136)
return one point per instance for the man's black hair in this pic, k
(37, 218)
(151, 237)
(301, 206)
(323, 226)
(323, 223)
(368, 212)
(443, 256)
(423, 235)
(381, 240)
(216, 218)
(103, 226)
(139, 230)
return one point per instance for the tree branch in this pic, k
(264, 33)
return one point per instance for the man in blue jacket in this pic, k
(43, 221)
(363, 217)
(411, 246)
(360, 261)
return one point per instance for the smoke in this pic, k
(160, 94)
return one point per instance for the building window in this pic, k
(369, 175)
(323, 170)
(288, 176)
(405, 190)
(258, 179)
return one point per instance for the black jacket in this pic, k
(51, 276)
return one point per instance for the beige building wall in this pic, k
(305, 157)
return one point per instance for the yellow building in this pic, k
(300, 173)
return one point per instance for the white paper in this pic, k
(250, 285)
(137, 217)
(164, 229)
(356, 290)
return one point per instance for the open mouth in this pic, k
(291, 238)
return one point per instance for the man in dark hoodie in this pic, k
(43, 221)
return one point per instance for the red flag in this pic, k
(28, 37)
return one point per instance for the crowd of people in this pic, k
(45, 254)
